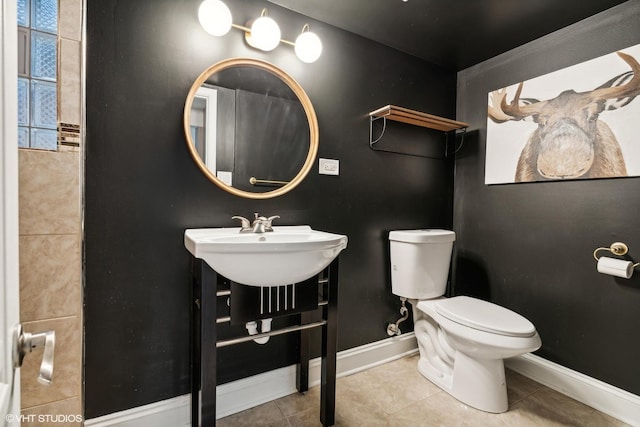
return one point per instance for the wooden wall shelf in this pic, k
(416, 118)
(405, 115)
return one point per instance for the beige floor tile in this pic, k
(395, 395)
(352, 415)
(519, 386)
(598, 419)
(351, 411)
(307, 418)
(443, 410)
(395, 370)
(267, 415)
(549, 408)
(390, 387)
(297, 403)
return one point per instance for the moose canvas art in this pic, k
(581, 122)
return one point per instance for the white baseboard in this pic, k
(604, 397)
(258, 389)
(249, 392)
(174, 412)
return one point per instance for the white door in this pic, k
(9, 288)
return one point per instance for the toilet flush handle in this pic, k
(26, 342)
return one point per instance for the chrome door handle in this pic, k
(26, 342)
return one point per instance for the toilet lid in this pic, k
(484, 316)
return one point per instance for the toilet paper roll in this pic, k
(615, 267)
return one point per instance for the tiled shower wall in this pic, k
(50, 196)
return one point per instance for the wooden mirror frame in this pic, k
(297, 90)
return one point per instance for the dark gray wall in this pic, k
(529, 246)
(143, 189)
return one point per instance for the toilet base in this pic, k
(479, 383)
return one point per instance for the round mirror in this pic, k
(250, 128)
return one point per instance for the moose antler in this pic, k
(632, 88)
(519, 112)
(500, 111)
(495, 112)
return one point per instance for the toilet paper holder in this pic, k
(616, 248)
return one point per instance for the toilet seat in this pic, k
(484, 316)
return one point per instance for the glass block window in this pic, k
(37, 74)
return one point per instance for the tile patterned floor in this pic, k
(395, 395)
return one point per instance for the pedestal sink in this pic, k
(286, 255)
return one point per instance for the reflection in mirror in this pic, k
(203, 125)
(251, 128)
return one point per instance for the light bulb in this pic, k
(308, 47)
(264, 34)
(215, 17)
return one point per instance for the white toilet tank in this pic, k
(420, 262)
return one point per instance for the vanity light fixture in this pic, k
(308, 46)
(262, 33)
(215, 17)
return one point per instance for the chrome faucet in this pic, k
(260, 224)
(245, 226)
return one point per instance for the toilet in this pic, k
(462, 340)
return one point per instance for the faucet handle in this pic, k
(268, 226)
(245, 224)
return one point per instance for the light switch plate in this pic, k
(226, 177)
(329, 167)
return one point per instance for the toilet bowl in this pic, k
(462, 340)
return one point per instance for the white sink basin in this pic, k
(288, 254)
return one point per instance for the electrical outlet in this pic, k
(329, 167)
